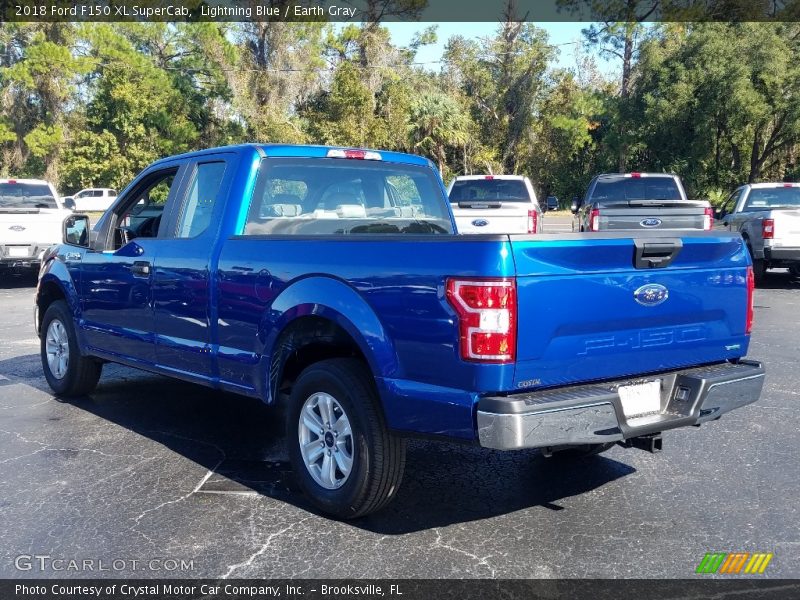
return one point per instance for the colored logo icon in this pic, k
(734, 563)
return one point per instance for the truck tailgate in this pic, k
(509, 217)
(587, 313)
(787, 228)
(677, 214)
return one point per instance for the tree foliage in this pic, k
(717, 103)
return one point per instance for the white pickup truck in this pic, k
(494, 204)
(768, 217)
(31, 217)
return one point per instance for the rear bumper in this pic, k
(782, 253)
(592, 414)
(19, 264)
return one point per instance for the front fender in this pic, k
(335, 300)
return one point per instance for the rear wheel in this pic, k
(759, 266)
(66, 371)
(342, 453)
(583, 451)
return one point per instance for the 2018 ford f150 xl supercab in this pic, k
(329, 281)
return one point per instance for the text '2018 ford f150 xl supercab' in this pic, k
(329, 281)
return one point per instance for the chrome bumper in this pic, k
(592, 414)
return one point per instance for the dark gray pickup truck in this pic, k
(636, 201)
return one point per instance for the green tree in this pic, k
(438, 124)
(37, 80)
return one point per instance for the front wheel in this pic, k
(66, 371)
(342, 453)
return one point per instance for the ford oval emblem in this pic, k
(17, 228)
(651, 222)
(480, 222)
(651, 294)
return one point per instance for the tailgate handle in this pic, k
(656, 254)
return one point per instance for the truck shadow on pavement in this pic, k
(239, 441)
(14, 281)
(779, 280)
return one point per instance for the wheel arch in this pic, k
(55, 283)
(320, 318)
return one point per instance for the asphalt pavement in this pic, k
(150, 477)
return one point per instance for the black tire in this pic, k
(378, 457)
(82, 373)
(583, 451)
(759, 267)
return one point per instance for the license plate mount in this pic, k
(640, 399)
(17, 251)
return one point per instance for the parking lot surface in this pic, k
(151, 477)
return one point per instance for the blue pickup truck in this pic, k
(330, 282)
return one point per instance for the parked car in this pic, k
(30, 222)
(329, 281)
(639, 201)
(494, 204)
(551, 203)
(91, 200)
(768, 217)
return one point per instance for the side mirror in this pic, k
(76, 231)
(574, 206)
(69, 203)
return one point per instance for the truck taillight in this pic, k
(533, 221)
(751, 285)
(487, 318)
(708, 219)
(594, 220)
(768, 229)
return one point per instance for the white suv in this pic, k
(31, 217)
(91, 200)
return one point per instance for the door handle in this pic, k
(141, 268)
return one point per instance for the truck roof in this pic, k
(633, 175)
(489, 176)
(304, 151)
(776, 184)
(18, 180)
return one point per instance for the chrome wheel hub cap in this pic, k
(326, 440)
(57, 349)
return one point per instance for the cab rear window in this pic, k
(642, 188)
(333, 196)
(509, 190)
(26, 195)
